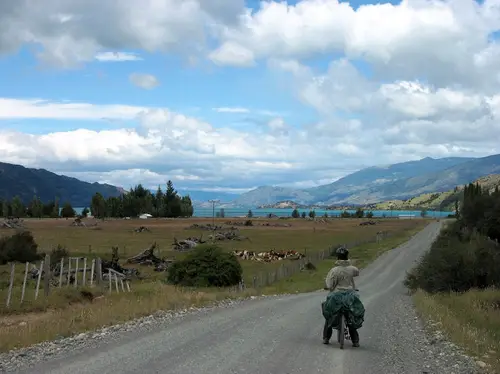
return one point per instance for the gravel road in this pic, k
(271, 335)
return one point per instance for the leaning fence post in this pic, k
(11, 283)
(24, 281)
(128, 285)
(84, 271)
(38, 280)
(254, 282)
(92, 269)
(48, 274)
(61, 269)
(116, 283)
(121, 283)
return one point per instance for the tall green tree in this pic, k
(18, 208)
(67, 211)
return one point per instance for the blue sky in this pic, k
(221, 99)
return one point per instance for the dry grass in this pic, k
(470, 320)
(68, 311)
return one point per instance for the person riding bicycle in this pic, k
(340, 279)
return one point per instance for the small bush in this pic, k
(57, 254)
(20, 247)
(248, 222)
(206, 266)
(457, 261)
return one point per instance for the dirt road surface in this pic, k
(280, 335)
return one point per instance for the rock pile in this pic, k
(227, 235)
(186, 244)
(12, 223)
(271, 256)
(208, 227)
(142, 229)
(368, 223)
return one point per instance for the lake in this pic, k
(240, 212)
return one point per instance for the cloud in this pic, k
(117, 57)
(146, 81)
(67, 34)
(448, 41)
(231, 110)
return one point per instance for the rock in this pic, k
(481, 364)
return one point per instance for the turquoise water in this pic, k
(239, 212)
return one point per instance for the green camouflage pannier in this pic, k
(347, 301)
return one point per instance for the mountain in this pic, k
(16, 180)
(381, 183)
(267, 195)
(199, 197)
(439, 200)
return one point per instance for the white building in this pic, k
(145, 216)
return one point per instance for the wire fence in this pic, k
(76, 272)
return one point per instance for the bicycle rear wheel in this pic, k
(341, 332)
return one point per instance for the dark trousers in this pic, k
(328, 332)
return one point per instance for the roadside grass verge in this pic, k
(470, 320)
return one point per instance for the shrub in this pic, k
(20, 247)
(248, 222)
(457, 261)
(206, 266)
(57, 254)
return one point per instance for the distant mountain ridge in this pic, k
(381, 183)
(16, 180)
(444, 201)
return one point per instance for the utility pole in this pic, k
(213, 213)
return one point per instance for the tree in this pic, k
(55, 210)
(36, 207)
(360, 213)
(423, 213)
(67, 211)
(303, 215)
(325, 215)
(295, 213)
(98, 206)
(18, 208)
(369, 214)
(312, 214)
(85, 212)
(250, 213)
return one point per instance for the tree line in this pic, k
(137, 201)
(466, 254)
(140, 200)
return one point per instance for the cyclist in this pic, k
(339, 279)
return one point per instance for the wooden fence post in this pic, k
(110, 280)
(92, 271)
(11, 283)
(76, 273)
(61, 270)
(48, 276)
(84, 271)
(99, 271)
(38, 280)
(24, 281)
(69, 271)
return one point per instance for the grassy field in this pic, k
(471, 320)
(68, 311)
